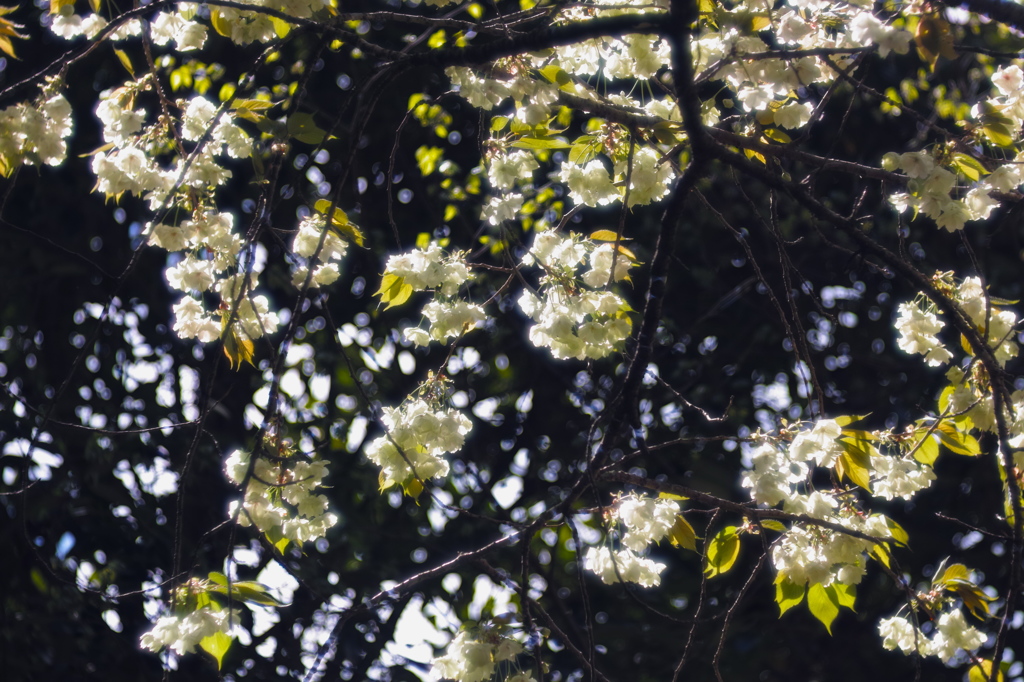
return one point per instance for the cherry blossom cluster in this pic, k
(35, 133)
(918, 322)
(474, 657)
(322, 258)
(930, 190)
(419, 433)
(280, 497)
(182, 632)
(647, 520)
(576, 317)
(951, 634)
(443, 273)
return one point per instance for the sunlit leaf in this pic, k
(787, 594)
(393, 290)
(217, 645)
(823, 604)
(237, 347)
(682, 534)
(541, 143)
(722, 551)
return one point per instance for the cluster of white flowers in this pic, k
(419, 434)
(575, 321)
(433, 269)
(475, 660)
(35, 132)
(930, 189)
(952, 634)
(280, 496)
(430, 268)
(812, 554)
(178, 27)
(999, 322)
(307, 239)
(918, 324)
(917, 327)
(591, 184)
(648, 520)
(623, 566)
(900, 477)
(181, 633)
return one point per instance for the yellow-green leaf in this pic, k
(787, 594)
(855, 463)
(393, 290)
(281, 27)
(303, 128)
(57, 5)
(772, 524)
(428, 158)
(722, 551)
(437, 39)
(606, 236)
(847, 419)
(125, 61)
(219, 23)
(682, 534)
(846, 595)
(777, 135)
(237, 347)
(216, 645)
(896, 532)
(926, 451)
(982, 672)
(968, 166)
(541, 143)
(956, 441)
(823, 603)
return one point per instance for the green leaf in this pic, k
(393, 290)
(846, 595)
(541, 143)
(927, 450)
(847, 419)
(498, 123)
(237, 347)
(584, 148)
(777, 135)
(303, 128)
(220, 24)
(122, 56)
(339, 223)
(897, 532)
(722, 551)
(982, 671)
(437, 39)
(956, 441)
(216, 645)
(996, 125)
(667, 132)
(787, 594)
(682, 534)
(555, 74)
(606, 236)
(428, 158)
(823, 603)
(968, 166)
(772, 524)
(855, 462)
